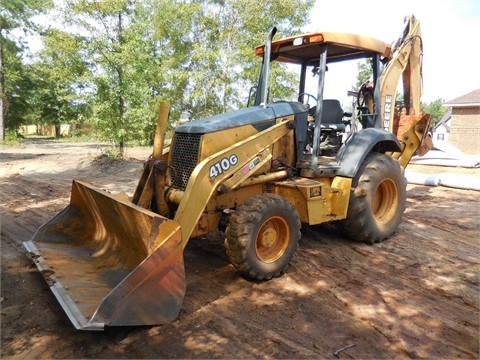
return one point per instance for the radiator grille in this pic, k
(184, 158)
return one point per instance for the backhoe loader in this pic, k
(257, 173)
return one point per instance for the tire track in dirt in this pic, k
(30, 205)
(412, 296)
(396, 292)
(328, 266)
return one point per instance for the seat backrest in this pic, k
(332, 112)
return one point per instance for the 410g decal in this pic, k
(223, 165)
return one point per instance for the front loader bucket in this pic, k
(110, 262)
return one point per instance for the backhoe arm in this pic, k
(406, 61)
(411, 128)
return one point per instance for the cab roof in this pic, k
(341, 46)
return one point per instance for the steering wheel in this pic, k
(304, 98)
(365, 91)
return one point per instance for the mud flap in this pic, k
(110, 262)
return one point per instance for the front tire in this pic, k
(377, 201)
(262, 236)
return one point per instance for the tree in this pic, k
(59, 79)
(15, 85)
(365, 72)
(435, 109)
(125, 63)
(195, 54)
(15, 23)
(221, 65)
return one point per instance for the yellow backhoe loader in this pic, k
(258, 173)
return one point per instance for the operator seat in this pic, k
(332, 115)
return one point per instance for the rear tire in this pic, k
(262, 236)
(377, 201)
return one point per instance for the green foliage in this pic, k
(124, 66)
(58, 80)
(365, 72)
(12, 138)
(112, 152)
(16, 14)
(16, 85)
(116, 60)
(15, 23)
(196, 54)
(435, 109)
(217, 48)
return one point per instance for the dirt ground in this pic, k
(413, 296)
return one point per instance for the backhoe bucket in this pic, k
(110, 262)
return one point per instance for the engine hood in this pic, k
(259, 117)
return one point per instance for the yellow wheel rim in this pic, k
(272, 239)
(385, 201)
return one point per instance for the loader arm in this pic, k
(209, 174)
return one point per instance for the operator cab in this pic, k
(319, 61)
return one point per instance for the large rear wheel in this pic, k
(377, 201)
(262, 236)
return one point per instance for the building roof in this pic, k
(470, 99)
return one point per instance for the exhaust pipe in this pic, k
(266, 68)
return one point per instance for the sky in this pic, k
(450, 33)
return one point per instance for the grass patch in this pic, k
(12, 138)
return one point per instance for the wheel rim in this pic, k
(272, 239)
(385, 201)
